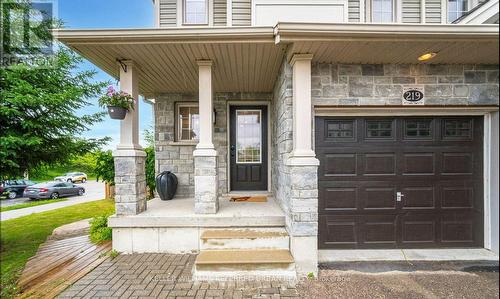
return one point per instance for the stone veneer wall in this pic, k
(294, 187)
(178, 158)
(282, 134)
(383, 84)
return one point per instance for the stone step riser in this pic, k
(282, 242)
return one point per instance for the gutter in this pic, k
(290, 32)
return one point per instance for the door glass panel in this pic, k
(248, 136)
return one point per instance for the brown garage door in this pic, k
(435, 163)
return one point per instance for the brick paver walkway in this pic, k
(166, 276)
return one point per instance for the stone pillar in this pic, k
(205, 156)
(130, 173)
(302, 222)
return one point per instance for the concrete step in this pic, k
(254, 238)
(231, 264)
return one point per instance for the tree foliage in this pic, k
(39, 114)
(105, 167)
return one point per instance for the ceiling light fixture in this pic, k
(427, 56)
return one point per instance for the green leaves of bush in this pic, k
(99, 230)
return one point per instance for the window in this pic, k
(195, 12)
(382, 11)
(379, 129)
(188, 122)
(456, 8)
(418, 129)
(458, 129)
(248, 136)
(340, 130)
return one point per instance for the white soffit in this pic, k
(247, 59)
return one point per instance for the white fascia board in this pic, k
(482, 14)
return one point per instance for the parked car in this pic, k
(53, 190)
(14, 188)
(72, 177)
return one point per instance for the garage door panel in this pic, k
(339, 198)
(435, 162)
(378, 198)
(379, 164)
(419, 197)
(379, 229)
(457, 163)
(418, 163)
(339, 232)
(419, 229)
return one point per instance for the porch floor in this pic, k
(180, 213)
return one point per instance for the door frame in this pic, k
(228, 136)
(490, 138)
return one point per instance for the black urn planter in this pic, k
(116, 112)
(166, 185)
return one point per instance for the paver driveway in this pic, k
(166, 276)
(169, 276)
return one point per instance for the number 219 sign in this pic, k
(413, 96)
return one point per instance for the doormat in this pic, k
(260, 198)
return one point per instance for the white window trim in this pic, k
(395, 12)
(178, 125)
(181, 16)
(445, 9)
(261, 130)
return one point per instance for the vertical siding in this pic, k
(411, 11)
(168, 13)
(220, 12)
(354, 10)
(433, 11)
(242, 12)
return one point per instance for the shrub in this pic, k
(99, 230)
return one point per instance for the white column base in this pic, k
(305, 254)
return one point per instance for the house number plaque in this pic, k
(413, 96)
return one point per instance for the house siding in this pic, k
(168, 13)
(220, 12)
(411, 11)
(354, 10)
(433, 11)
(242, 12)
(347, 85)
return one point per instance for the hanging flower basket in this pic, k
(116, 112)
(117, 102)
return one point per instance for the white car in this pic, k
(72, 177)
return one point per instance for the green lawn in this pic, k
(21, 237)
(30, 204)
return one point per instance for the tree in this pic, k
(40, 118)
(39, 121)
(105, 167)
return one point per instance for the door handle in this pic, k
(399, 196)
(233, 149)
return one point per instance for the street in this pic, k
(93, 191)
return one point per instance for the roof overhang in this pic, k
(392, 43)
(247, 59)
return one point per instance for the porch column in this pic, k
(130, 174)
(205, 156)
(302, 222)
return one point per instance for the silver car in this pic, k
(53, 190)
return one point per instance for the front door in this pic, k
(248, 148)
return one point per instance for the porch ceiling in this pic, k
(244, 60)
(392, 43)
(247, 59)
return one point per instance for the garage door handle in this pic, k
(399, 196)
